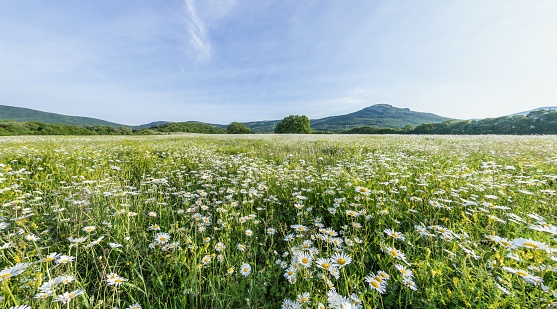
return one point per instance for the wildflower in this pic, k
(289, 304)
(305, 259)
(503, 242)
(162, 238)
(303, 298)
(114, 279)
(241, 247)
(341, 259)
(393, 234)
(67, 296)
(75, 241)
(375, 284)
(65, 259)
(526, 276)
(206, 259)
(409, 283)
(89, 229)
(32, 237)
(245, 270)
(51, 257)
(324, 263)
(230, 270)
(13, 271)
(529, 244)
(220, 246)
(154, 227)
(21, 307)
(406, 273)
(363, 190)
(134, 306)
(395, 253)
(114, 245)
(249, 233)
(271, 231)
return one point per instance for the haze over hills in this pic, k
(535, 109)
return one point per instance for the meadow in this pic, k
(267, 221)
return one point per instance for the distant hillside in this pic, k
(549, 108)
(151, 124)
(28, 115)
(379, 115)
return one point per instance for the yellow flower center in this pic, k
(394, 253)
(375, 284)
(305, 260)
(522, 273)
(325, 265)
(341, 261)
(4, 276)
(530, 244)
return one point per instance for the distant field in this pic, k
(267, 221)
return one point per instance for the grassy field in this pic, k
(196, 221)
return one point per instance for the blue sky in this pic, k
(219, 61)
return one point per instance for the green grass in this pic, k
(323, 196)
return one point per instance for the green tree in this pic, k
(237, 128)
(294, 124)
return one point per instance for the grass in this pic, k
(278, 221)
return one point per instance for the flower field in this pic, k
(264, 221)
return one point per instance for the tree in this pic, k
(237, 128)
(294, 124)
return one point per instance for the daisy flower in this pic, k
(341, 259)
(393, 234)
(134, 306)
(13, 271)
(245, 270)
(114, 279)
(376, 283)
(162, 238)
(65, 259)
(305, 259)
(303, 298)
(67, 296)
(89, 229)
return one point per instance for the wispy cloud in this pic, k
(196, 30)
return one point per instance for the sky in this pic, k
(218, 61)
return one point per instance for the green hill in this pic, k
(379, 115)
(30, 115)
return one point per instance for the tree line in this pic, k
(536, 122)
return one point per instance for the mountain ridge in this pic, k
(378, 115)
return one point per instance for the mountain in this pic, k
(379, 115)
(552, 108)
(29, 115)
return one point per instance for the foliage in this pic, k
(294, 124)
(237, 128)
(190, 127)
(39, 128)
